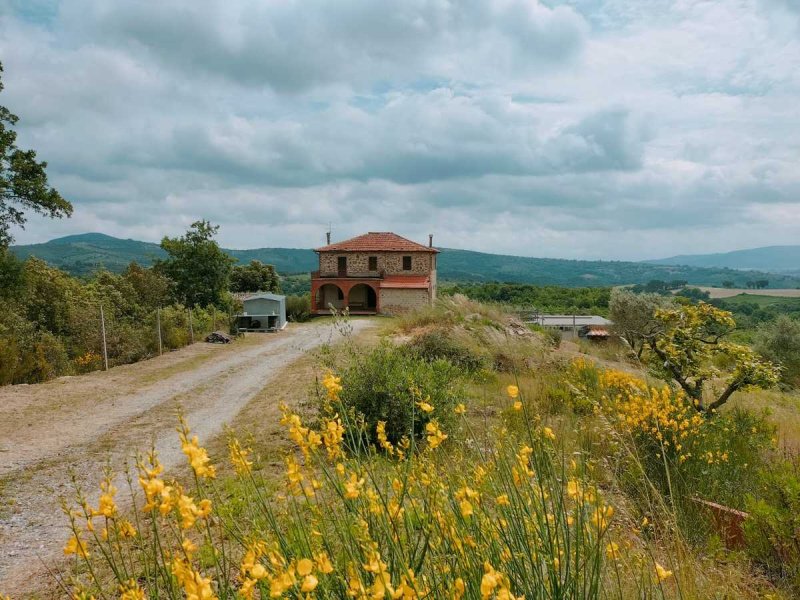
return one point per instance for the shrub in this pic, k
(298, 308)
(771, 531)
(393, 385)
(439, 344)
(506, 524)
(682, 452)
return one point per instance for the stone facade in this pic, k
(373, 278)
(389, 263)
(394, 301)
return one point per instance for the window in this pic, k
(373, 263)
(406, 263)
(342, 263)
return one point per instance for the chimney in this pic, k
(328, 237)
(430, 240)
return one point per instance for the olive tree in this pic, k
(688, 342)
(780, 342)
(633, 316)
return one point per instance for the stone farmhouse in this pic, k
(374, 273)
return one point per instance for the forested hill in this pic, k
(775, 259)
(82, 254)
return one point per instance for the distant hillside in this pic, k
(82, 254)
(87, 252)
(774, 259)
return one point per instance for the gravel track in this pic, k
(76, 424)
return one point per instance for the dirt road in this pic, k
(78, 423)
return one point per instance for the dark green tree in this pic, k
(23, 181)
(255, 277)
(198, 266)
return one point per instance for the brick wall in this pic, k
(391, 263)
(395, 301)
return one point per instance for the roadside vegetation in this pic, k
(462, 456)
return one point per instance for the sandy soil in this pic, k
(76, 424)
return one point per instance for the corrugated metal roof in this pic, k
(569, 320)
(376, 241)
(406, 282)
(265, 295)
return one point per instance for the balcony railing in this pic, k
(350, 275)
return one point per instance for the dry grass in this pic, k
(730, 292)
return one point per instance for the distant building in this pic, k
(378, 272)
(589, 326)
(262, 311)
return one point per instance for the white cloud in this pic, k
(613, 129)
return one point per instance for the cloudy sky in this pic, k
(580, 129)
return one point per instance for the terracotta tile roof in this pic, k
(376, 241)
(420, 282)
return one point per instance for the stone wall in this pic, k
(395, 301)
(391, 263)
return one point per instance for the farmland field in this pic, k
(726, 293)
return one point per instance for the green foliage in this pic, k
(388, 383)
(82, 254)
(685, 345)
(751, 311)
(197, 265)
(439, 344)
(254, 277)
(633, 315)
(550, 298)
(780, 342)
(298, 308)
(50, 324)
(296, 285)
(771, 529)
(23, 181)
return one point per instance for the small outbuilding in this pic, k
(262, 312)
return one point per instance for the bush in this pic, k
(780, 342)
(684, 454)
(771, 531)
(390, 384)
(438, 344)
(298, 308)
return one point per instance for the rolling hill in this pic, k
(82, 254)
(773, 259)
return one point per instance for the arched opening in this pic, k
(329, 295)
(362, 297)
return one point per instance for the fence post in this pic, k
(191, 328)
(158, 327)
(103, 328)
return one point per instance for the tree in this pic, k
(687, 343)
(633, 316)
(153, 289)
(727, 283)
(255, 277)
(779, 341)
(197, 265)
(23, 181)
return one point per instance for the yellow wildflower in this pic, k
(425, 405)
(323, 563)
(548, 433)
(239, 457)
(662, 573)
(131, 591)
(612, 550)
(198, 457)
(460, 409)
(75, 545)
(512, 391)
(435, 435)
